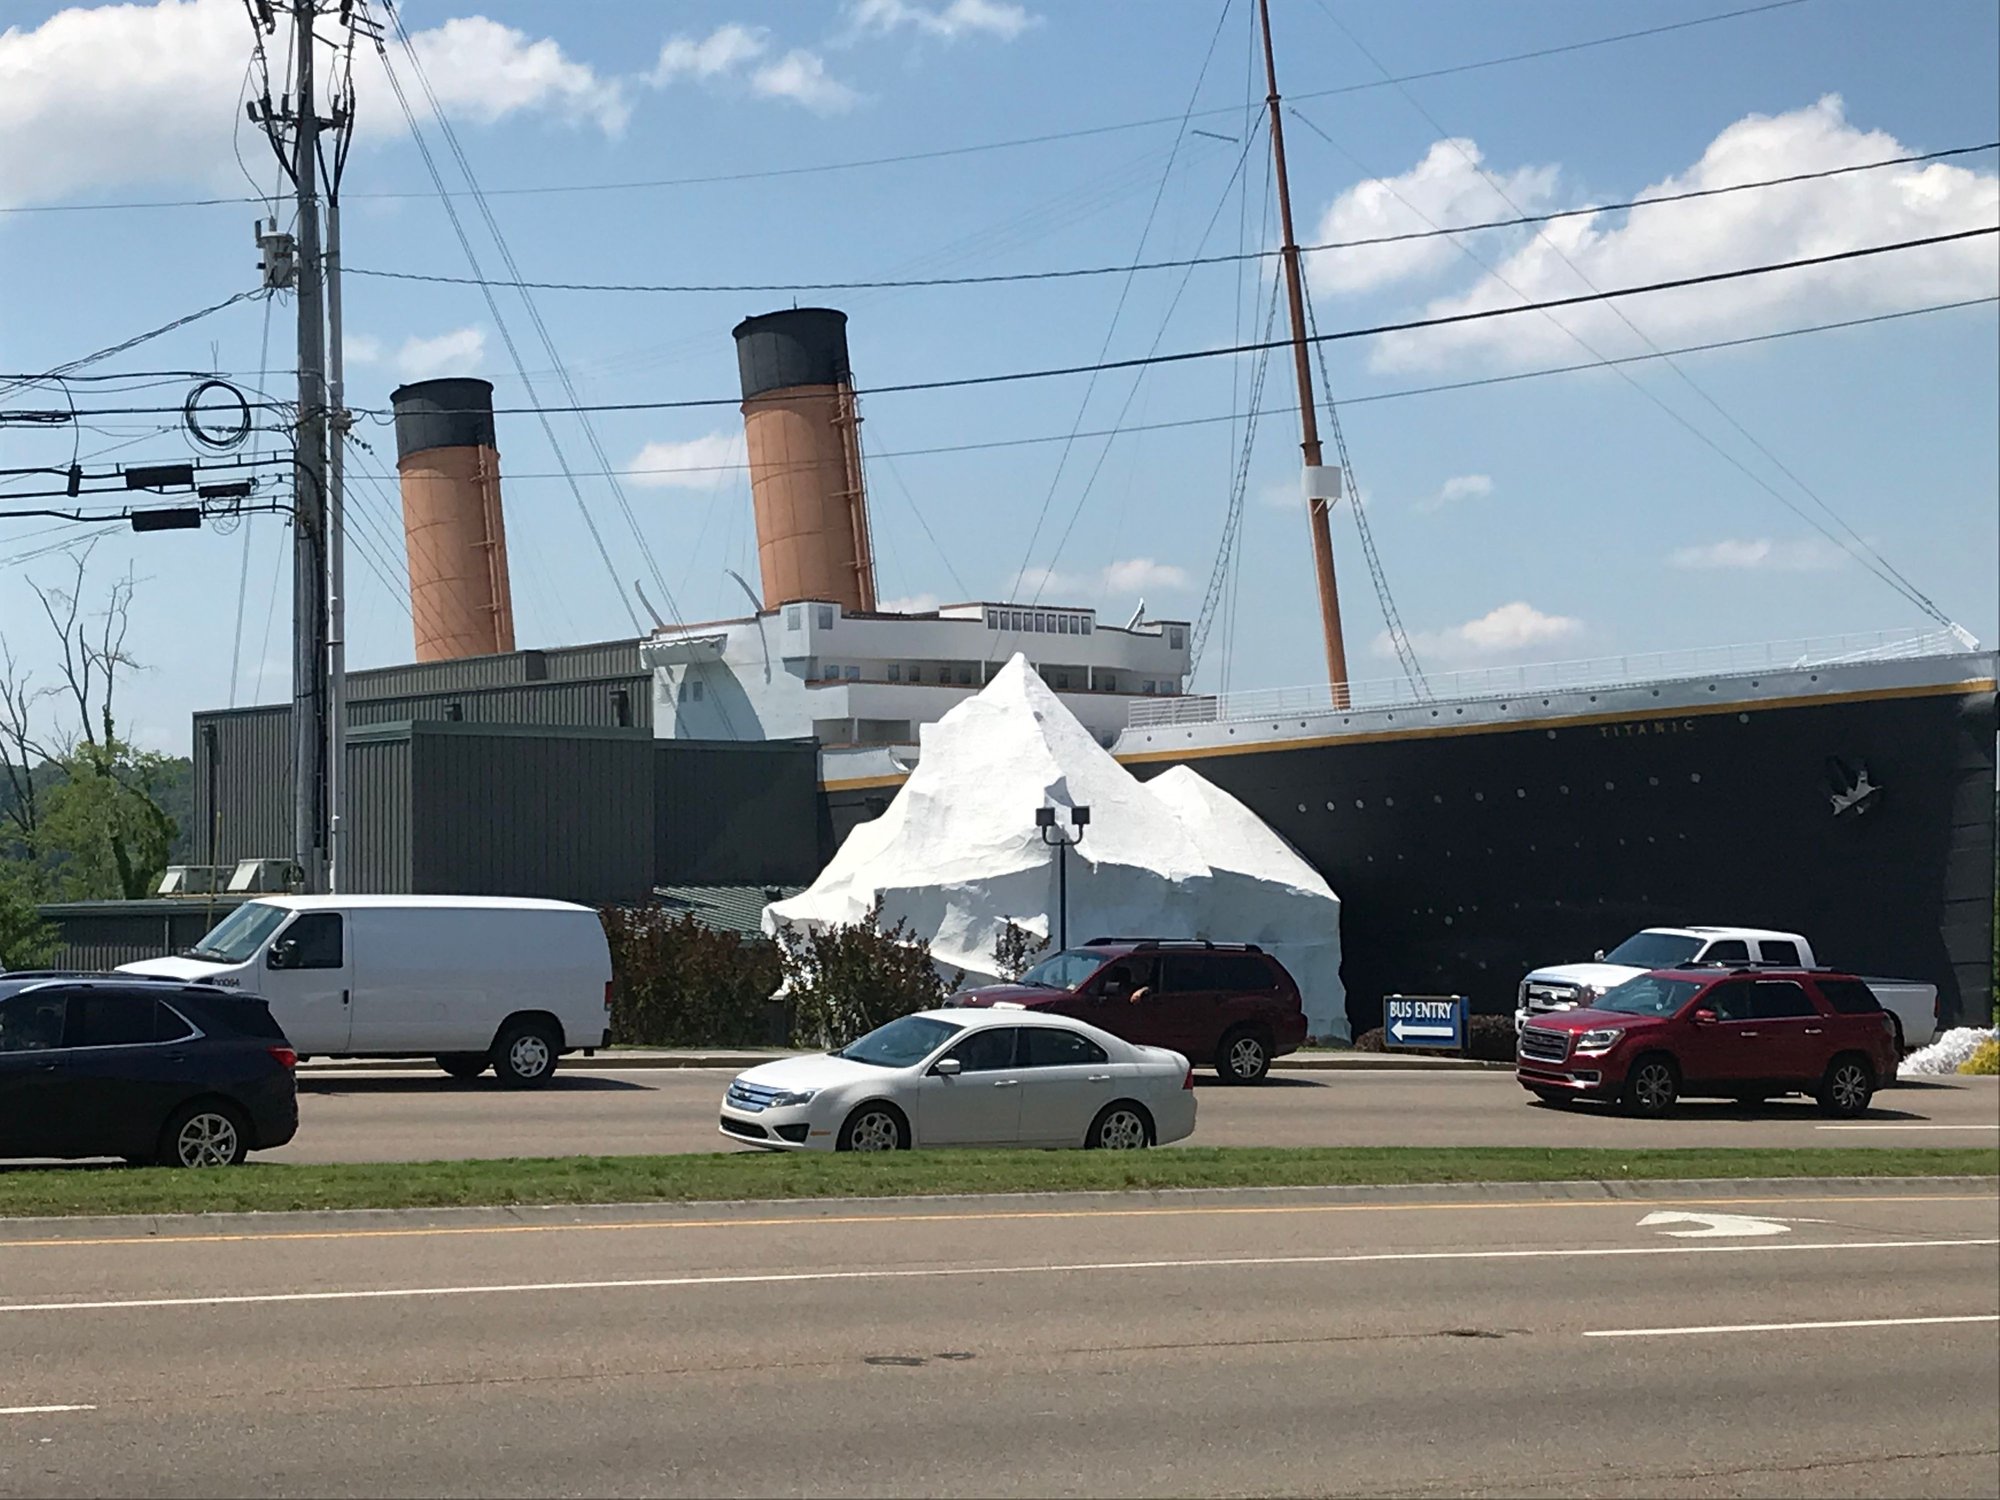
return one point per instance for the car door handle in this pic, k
(1098, 1078)
(1814, 1030)
(1007, 1083)
(1746, 1033)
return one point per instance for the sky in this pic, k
(1655, 506)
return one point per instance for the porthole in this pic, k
(1520, 791)
(1650, 781)
(1479, 796)
(1358, 802)
(1388, 801)
(1564, 789)
(1551, 734)
(1743, 718)
(1302, 807)
(1695, 776)
(1610, 786)
(1329, 807)
(1437, 798)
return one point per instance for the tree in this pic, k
(1015, 949)
(845, 980)
(81, 802)
(26, 941)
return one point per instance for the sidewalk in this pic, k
(620, 1058)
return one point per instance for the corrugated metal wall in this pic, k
(244, 756)
(588, 702)
(526, 813)
(562, 664)
(380, 814)
(101, 935)
(734, 812)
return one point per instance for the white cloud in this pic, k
(910, 604)
(723, 51)
(362, 348)
(960, 18)
(1732, 230)
(710, 462)
(1130, 575)
(801, 77)
(123, 95)
(459, 352)
(1809, 554)
(1513, 630)
(1459, 487)
(1445, 189)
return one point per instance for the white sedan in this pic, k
(967, 1078)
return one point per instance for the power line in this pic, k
(948, 152)
(62, 371)
(1070, 273)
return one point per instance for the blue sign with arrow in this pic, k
(1424, 1021)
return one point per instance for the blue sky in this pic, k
(1544, 519)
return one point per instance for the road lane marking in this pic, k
(39, 1411)
(1906, 1127)
(798, 1221)
(1714, 1226)
(1641, 1333)
(932, 1273)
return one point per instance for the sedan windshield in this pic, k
(902, 1043)
(1065, 970)
(240, 934)
(1647, 996)
(1654, 950)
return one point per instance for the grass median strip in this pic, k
(742, 1175)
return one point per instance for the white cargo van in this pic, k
(470, 980)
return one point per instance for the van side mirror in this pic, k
(947, 1067)
(280, 956)
(1598, 956)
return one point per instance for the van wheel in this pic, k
(1243, 1057)
(206, 1134)
(525, 1056)
(1848, 1086)
(1653, 1088)
(465, 1065)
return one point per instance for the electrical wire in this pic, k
(1070, 273)
(60, 371)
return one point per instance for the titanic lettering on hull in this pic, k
(1633, 728)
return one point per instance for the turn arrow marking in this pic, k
(1714, 1226)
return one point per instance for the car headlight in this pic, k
(1601, 1040)
(797, 1096)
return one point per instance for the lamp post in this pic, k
(1056, 839)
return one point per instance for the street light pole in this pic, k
(1056, 839)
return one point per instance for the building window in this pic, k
(454, 712)
(854, 674)
(794, 616)
(621, 708)
(895, 671)
(1176, 638)
(823, 616)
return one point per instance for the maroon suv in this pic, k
(1734, 1034)
(1228, 1003)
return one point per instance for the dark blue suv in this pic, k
(153, 1071)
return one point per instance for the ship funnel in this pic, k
(802, 431)
(460, 602)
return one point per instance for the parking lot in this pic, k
(358, 1115)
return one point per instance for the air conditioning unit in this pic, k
(191, 880)
(266, 876)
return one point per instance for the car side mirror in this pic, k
(1598, 956)
(280, 956)
(1703, 1017)
(947, 1067)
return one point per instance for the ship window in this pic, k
(823, 616)
(895, 671)
(697, 690)
(1086, 624)
(1176, 638)
(1147, 686)
(1062, 681)
(965, 674)
(794, 617)
(1108, 682)
(831, 673)
(1042, 623)
(992, 619)
(916, 672)
(854, 674)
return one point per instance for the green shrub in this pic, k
(845, 980)
(676, 983)
(1985, 1061)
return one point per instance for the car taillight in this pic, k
(607, 996)
(284, 1056)
(1188, 1082)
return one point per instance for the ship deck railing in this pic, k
(1600, 673)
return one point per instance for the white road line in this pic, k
(1906, 1127)
(1642, 1333)
(39, 1411)
(926, 1273)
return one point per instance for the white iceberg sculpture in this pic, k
(957, 854)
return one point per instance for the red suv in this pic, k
(1738, 1034)
(1228, 1003)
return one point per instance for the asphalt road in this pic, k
(1837, 1340)
(347, 1116)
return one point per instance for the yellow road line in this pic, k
(807, 1221)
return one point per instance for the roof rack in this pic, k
(1143, 943)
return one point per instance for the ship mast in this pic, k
(1321, 487)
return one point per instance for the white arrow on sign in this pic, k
(1401, 1029)
(1714, 1226)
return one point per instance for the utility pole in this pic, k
(309, 493)
(1317, 482)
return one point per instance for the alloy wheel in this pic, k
(530, 1056)
(1246, 1057)
(1121, 1130)
(206, 1140)
(1849, 1087)
(874, 1131)
(1654, 1087)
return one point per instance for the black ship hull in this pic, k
(1465, 859)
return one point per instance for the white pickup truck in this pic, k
(1567, 986)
